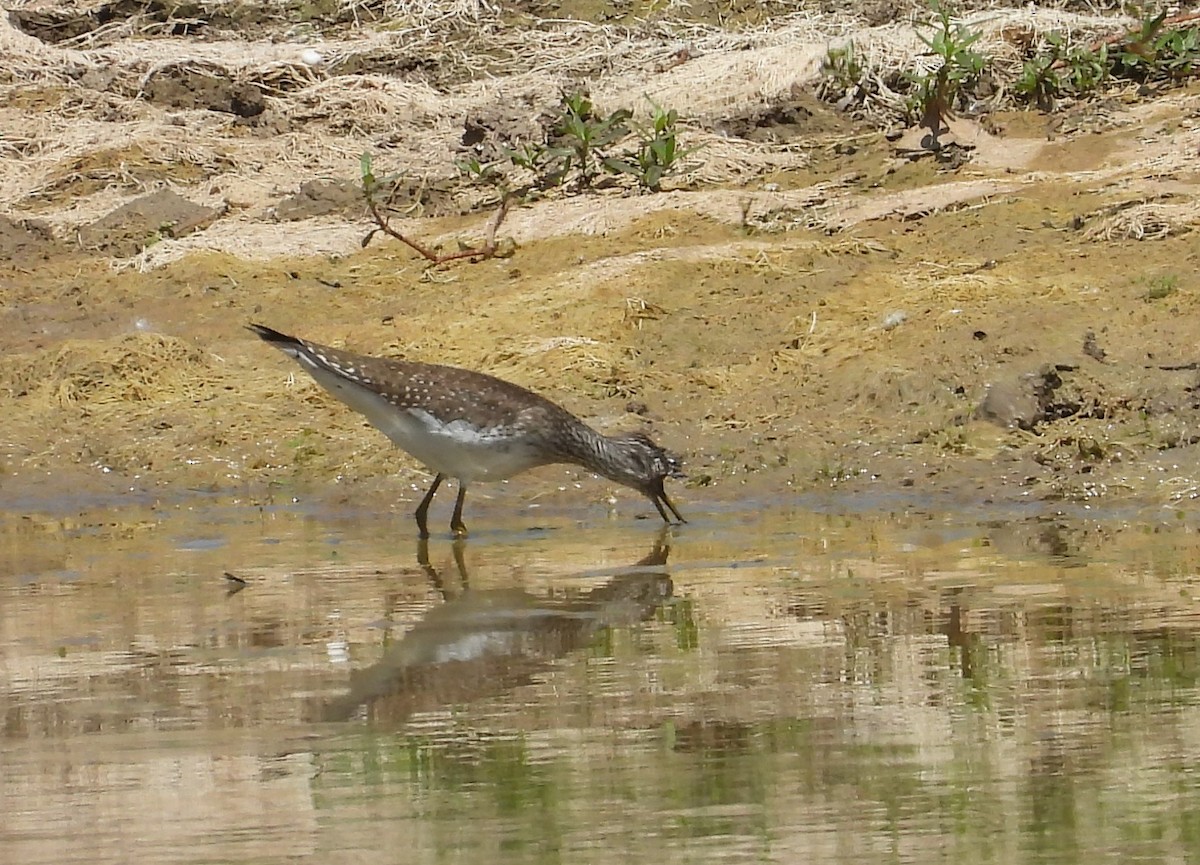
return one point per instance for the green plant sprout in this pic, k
(936, 91)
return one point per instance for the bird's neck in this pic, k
(595, 452)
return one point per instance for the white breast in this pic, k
(457, 449)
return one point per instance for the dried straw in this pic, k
(1149, 220)
(53, 161)
(142, 367)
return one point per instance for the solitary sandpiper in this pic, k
(475, 427)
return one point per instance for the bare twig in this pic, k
(487, 250)
(1132, 40)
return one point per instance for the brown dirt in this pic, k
(840, 312)
(145, 221)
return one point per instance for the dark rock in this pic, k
(23, 241)
(204, 86)
(1021, 402)
(145, 221)
(318, 198)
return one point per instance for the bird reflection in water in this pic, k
(483, 643)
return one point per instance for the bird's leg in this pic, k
(460, 562)
(456, 523)
(661, 499)
(661, 550)
(430, 571)
(422, 513)
(423, 558)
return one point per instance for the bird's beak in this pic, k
(658, 495)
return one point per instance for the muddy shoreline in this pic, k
(845, 317)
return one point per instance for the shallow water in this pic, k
(783, 686)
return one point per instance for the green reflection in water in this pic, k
(681, 615)
(847, 699)
(1057, 785)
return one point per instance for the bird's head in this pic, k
(638, 462)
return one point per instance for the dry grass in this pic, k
(1145, 220)
(414, 120)
(726, 307)
(141, 368)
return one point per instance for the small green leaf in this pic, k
(620, 166)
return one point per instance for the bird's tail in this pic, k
(281, 340)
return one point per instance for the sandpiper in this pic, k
(475, 427)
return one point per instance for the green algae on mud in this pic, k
(772, 361)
